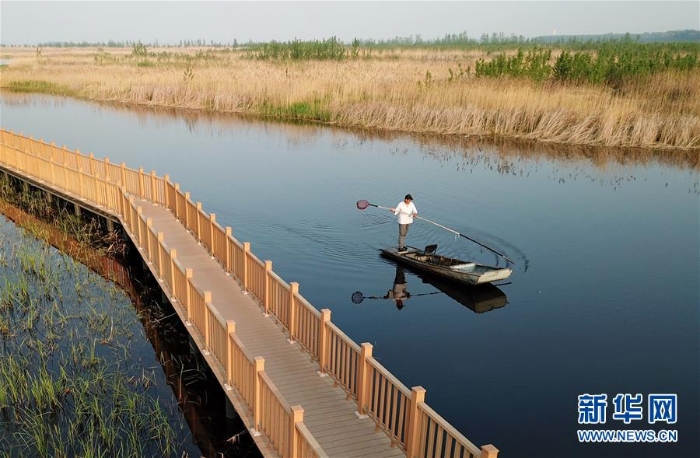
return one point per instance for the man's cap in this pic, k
(409, 197)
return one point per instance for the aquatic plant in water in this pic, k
(76, 378)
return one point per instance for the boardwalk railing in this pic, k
(401, 413)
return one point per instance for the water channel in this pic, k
(605, 294)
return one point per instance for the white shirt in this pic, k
(405, 212)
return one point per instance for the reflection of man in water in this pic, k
(399, 293)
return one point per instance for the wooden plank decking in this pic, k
(330, 417)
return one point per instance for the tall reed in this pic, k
(414, 90)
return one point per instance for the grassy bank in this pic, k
(411, 90)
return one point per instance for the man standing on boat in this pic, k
(406, 211)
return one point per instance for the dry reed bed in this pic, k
(402, 91)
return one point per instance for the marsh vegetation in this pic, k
(79, 374)
(71, 383)
(619, 93)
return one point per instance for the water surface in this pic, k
(605, 293)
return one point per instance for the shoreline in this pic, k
(506, 147)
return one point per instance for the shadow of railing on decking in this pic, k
(401, 413)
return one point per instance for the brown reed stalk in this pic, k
(408, 90)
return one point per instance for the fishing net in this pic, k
(362, 204)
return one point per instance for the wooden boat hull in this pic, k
(448, 268)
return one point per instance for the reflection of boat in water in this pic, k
(465, 272)
(478, 298)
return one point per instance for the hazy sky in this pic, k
(31, 22)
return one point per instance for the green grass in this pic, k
(37, 86)
(315, 110)
(70, 383)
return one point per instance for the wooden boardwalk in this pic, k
(330, 417)
(301, 386)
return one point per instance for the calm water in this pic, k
(605, 294)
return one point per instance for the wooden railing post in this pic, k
(173, 266)
(81, 192)
(229, 235)
(132, 214)
(53, 174)
(149, 223)
(123, 174)
(244, 277)
(160, 238)
(212, 221)
(207, 320)
(92, 188)
(413, 433)
(91, 161)
(177, 201)
(65, 174)
(137, 223)
(141, 183)
(293, 291)
(107, 177)
(199, 224)
(296, 417)
(323, 341)
(259, 362)
(167, 193)
(488, 451)
(121, 200)
(230, 330)
(187, 211)
(363, 379)
(154, 194)
(188, 281)
(64, 155)
(52, 148)
(266, 288)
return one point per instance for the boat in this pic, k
(453, 269)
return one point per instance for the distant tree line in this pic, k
(331, 48)
(127, 44)
(449, 41)
(611, 63)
